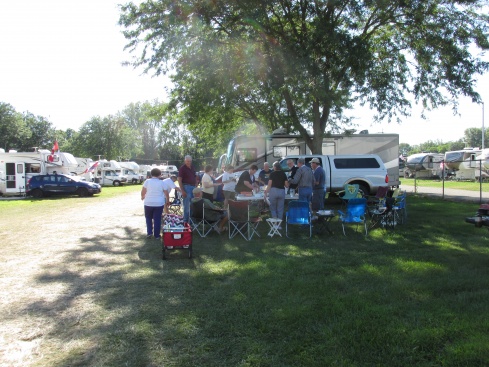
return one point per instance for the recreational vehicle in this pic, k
(131, 171)
(483, 157)
(466, 163)
(245, 150)
(16, 168)
(109, 173)
(424, 165)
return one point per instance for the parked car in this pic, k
(45, 185)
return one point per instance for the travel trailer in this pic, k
(424, 165)
(16, 168)
(131, 171)
(245, 150)
(483, 157)
(466, 164)
(109, 173)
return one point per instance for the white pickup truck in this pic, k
(366, 170)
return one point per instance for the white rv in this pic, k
(245, 150)
(109, 173)
(16, 168)
(131, 171)
(424, 165)
(168, 170)
(467, 163)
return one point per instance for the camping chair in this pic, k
(377, 205)
(175, 206)
(240, 220)
(198, 221)
(379, 197)
(298, 213)
(350, 191)
(355, 213)
(399, 209)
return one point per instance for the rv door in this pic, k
(15, 178)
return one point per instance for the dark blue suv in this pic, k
(45, 185)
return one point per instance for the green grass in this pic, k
(417, 295)
(449, 184)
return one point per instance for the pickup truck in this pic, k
(366, 170)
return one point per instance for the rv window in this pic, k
(247, 155)
(355, 163)
(20, 168)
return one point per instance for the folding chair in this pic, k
(355, 213)
(298, 213)
(240, 221)
(399, 209)
(350, 191)
(198, 221)
(175, 206)
(379, 197)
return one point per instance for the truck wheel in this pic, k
(82, 192)
(37, 193)
(117, 183)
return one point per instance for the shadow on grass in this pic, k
(416, 295)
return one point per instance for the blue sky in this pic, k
(61, 59)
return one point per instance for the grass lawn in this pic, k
(449, 184)
(416, 295)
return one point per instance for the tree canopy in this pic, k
(301, 65)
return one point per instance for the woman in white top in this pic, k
(153, 194)
(229, 181)
(208, 184)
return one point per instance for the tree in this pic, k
(13, 129)
(43, 133)
(302, 64)
(473, 137)
(107, 137)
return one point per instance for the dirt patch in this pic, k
(48, 266)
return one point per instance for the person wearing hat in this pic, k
(318, 190)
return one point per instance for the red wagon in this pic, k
(177, 238)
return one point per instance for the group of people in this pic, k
(308, 181)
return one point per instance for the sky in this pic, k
(61, 59)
